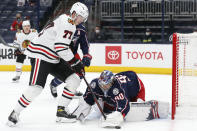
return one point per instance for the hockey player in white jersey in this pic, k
(23, 38)
(50, 54)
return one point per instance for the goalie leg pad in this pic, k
(147, 110)
(163, 109)
(95, 113)
(82, 110)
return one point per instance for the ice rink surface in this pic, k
(41, 114)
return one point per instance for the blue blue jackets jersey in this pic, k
(80, 38)
(124, 88)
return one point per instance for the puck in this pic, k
(117, 127)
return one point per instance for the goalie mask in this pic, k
(106, 79)
(81, 10)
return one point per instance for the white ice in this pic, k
(41, 114)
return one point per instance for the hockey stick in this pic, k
(14, 45)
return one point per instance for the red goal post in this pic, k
(174, 75)
(184, 75)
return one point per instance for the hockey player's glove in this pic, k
(25, 44)
(86, 60)
(17, 52)
(77, 65)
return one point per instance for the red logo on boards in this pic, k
(113, 55)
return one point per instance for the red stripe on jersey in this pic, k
(141, 94)
(43, 51)
(24, 101)
(35, 73)
(68, 93)
(59, 47)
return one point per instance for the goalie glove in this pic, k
(112, 120)
(82, 110)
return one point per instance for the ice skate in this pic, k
(64, 117)
(13, 119)
(16, 79)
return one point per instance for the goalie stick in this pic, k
(96, 101)
(14, 45)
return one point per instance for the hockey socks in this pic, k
(29, 95)
(66, 97)
(18, 71)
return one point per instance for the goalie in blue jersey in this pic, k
(116, 95)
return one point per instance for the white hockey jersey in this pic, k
(21, 37)
(53, 41)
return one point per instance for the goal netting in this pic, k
(184, 76)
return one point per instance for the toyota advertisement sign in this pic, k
(131, 55)
(115, 55)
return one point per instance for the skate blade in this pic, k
(11, 124)
(65, 120)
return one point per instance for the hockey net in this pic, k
(184, 76)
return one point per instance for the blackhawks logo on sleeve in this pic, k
(25, 43)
